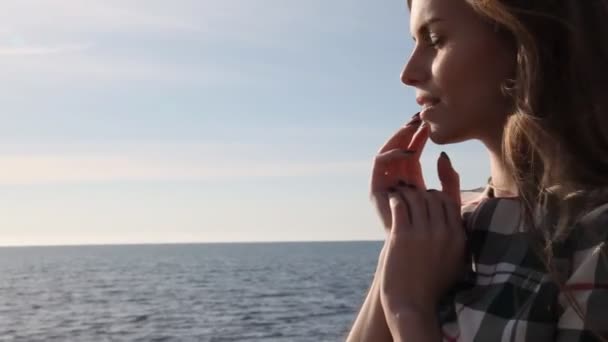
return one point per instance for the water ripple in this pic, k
(232, 292)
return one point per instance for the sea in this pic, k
(276, 292)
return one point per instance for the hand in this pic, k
(398, 161)
(426, 245)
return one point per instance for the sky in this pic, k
(148, 121)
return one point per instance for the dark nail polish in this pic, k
(445, 155)
(415, 120)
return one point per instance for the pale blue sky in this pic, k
(201, 120)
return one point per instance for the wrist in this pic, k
(380, 265)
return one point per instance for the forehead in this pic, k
(448, 10)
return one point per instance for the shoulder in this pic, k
(473, 194)
(596, 216)
(583, 251)
(488, 213)
(586, 286)
(470, 202)
(591, 229)
(471, 199)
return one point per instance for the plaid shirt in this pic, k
(508, 294)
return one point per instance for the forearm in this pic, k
(370, 324)
(413, 325)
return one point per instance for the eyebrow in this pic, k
(426, 24)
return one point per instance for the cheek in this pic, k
(455, 77)
(469, 79)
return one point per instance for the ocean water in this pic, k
(198, 292)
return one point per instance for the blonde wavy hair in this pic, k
(555, 142)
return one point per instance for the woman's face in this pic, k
(457, 67)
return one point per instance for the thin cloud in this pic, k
(61, 164)
(62, 170)
(263, 22)
(72, 17)
(193, 25)
(43, 50)
(63, 64)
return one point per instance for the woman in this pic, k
(526, 261)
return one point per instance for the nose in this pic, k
(415, 70)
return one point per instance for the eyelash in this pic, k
(434, 40)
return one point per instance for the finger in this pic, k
(450, 210)
(418, 141)
(436, 210)
(381, 202)
(384, 177)
(385, 170)
(412, 168)
(401, 138)
(453, 217)
(415, 119)
(394, 154)
(449, 178)
(417, 204)
(400, 213)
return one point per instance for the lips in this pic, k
(427, 106)
(427, 101)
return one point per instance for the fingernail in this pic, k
(415, 119)
(403, 183)
(445, 155)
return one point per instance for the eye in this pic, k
(434, 40)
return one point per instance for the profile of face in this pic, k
(458, 66)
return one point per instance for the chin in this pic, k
(444, 137)
(439, 140)
(437, 136)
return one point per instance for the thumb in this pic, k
(449, 178)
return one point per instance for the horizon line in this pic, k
(126, 244)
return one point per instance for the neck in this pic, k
(502, 182)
